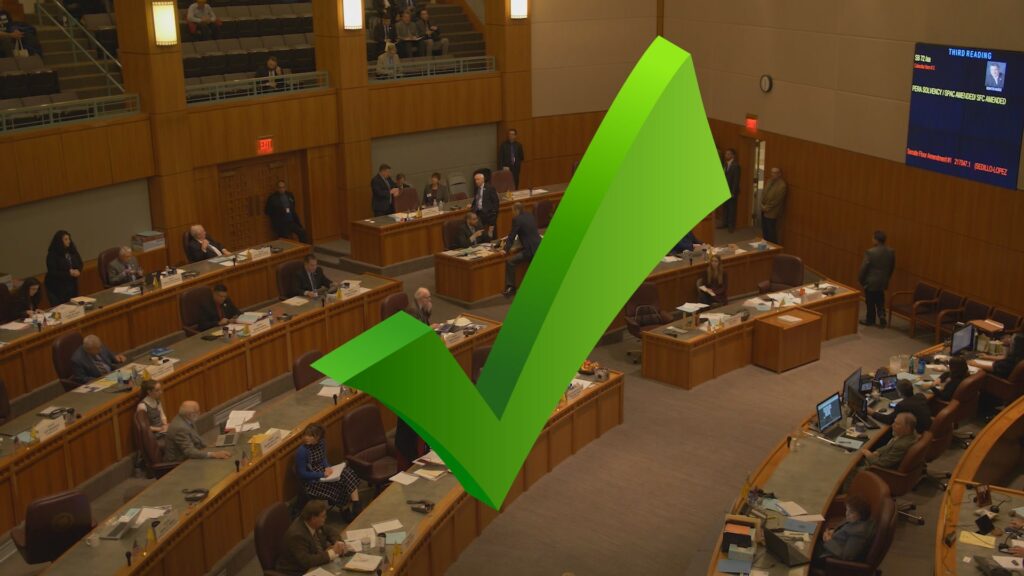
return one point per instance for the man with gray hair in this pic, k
(201, 246)
(93, 360)
(422, 306)
(124, 269)
(904, 435)
(183, 440)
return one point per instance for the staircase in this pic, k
(74, 70)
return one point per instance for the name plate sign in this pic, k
(170, 280)
(259, 253)
(259, 326)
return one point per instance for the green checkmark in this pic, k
(649, 175)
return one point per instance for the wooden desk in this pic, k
(125, 322)
(785, 341)
(210, 372)
(381, 241)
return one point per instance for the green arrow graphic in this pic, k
(618, 217)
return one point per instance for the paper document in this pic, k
(14, 326)
(147, 514)
(394, 537)
(336, 471)
(809, 518)
(363, 563)
(403, 478)
(328, 392)
(977, 539)
(691, 307)
(429, 474)
(296, 301)
(462, 321)
(739, 251)
(127, 290)
(670, 259)
(361, 534)
(790, 319)
(792, 509)
(250, 426)
(318, 572)
(387, 526)
(83, 300)
(354, 545)
(581, 383)
(238, 417)
(1009, 562)
(430, 458)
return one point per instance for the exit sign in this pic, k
(264, 146)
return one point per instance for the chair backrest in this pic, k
(1017, 374)
(974, 310)
(914, 460)
(942, 431)
(873, 490)
(5, 403)
(393, 304)
(286, 273)
(184, 243)
(479, 359)
(645, 295)
(449, 231)
(408, 200)
(302, 373)
(925, 291)
(949, 300)
(63, 347)
(543, 212)
(788, 270)
(1009, 320)
(145, 442)
(363, 433)
(103, 262)
(503, 181)
(268, 535)
(6, 304)
(190, 304)
(54, 524)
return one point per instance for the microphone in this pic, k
(128, 557)
(335, 397)
(237, 465)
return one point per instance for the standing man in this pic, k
(485, 201)
(510, 155)
(524, 227)
(772, 202)
(875, 272)
(283, 217)
(384, 191)
(732, 177)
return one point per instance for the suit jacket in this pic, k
(732, 177)
(510, 155)
(464, 238)
(430, 198)
(83, 369)
(850, 541)
(890, 455)
(120, 273)
(419, 314)
(281, 211)
(991, 82)
(774, 199)
(916, 405)
(301, 283)
(381, 188)
(382, 36)
(195, 252)
(301, 550)
(210, 317)
(491, 202)
(876, 269)
(182, 441)
(524, 227)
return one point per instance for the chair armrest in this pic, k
(360, 467)
(18, 535)
(764, 285)
(924, 303)
(887, 474)
(936, 405)
(947, 312)
(898, 294)
(836, 508)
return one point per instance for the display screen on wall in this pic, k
(967, 113)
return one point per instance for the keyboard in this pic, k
(833, 433)
(229, 439)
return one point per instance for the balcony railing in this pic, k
(205, 93)
(26, 117)
(427, 67)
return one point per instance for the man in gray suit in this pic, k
(904, 435)
(182, 438)
(125, 268)
(850, 540)
(875, 272)
(93, 360)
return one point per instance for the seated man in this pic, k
(182, 439)
(891, 455)
(916, 404)
(310, 279)
(431, 35)
(850, 540)
(686, 244)
(222, 311)
(524, 227)
(422, 306)
(270, 70)
(124, 269)
(201, 246)
(410, 42)
(471, 233)
(309, 543)
(203, 24)
(11, 32)
(93, 360)
(384, 34)
(389, 63)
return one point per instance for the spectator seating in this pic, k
(245, 55)
(35, 115)
(103, 27)
(22, 77)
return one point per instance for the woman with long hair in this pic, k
(26, 299)
(713, 285)
(63, 267)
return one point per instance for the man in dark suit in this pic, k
(221, 312)
(384, 191)
(850, 540)
(995, 78)
(524, 227)
(284, 219)
(916, 404)
(471, 233)
(182, 440)
(510, 155)
(308, 542)
(310, 279)
(200, 246)
(732, 177)
(93, 360)
(422, 306)
(875, 272)
(485, 201)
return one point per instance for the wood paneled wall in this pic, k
(417, 106)
(555, 143)
(954, 233)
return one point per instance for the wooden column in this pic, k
(508, 41)
(157, 75)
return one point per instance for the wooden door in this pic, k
(243, 188)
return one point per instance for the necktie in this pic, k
(512, 149)
(102, 366)
(480, 199)
(311, 285)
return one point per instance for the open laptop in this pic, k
(784, 550)
(227, 439)
(887, 387)
(830, 414)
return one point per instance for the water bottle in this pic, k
(920, 365)
(913, 364)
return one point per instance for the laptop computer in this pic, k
(830, 415)
(784, 550)
(887, 387)
(229, 439)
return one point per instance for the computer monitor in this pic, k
(855, 401)
(852, 383)
(830, 412)
(963, 339)
(887, 383)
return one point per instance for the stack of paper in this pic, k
(790, 508)
(363, 563)
(336, 471)
(83, 300)
(789, 319)
(14, 326)
(670, 259)
(296, 301)
(127, 290)
(430, 458)
(147, 514)
(429, 474)
(582, 384)
(691, 307)
(387, 526)
(250, 317)
(403, 478)
(238, 417)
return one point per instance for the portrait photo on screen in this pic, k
(995, 75)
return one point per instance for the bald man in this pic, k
(904, 435)
(201, 246)
(182, 439)
(93, 360)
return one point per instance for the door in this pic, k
(243, 189)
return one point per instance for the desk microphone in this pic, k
(128, 557)
(335, 397)
(237, 465)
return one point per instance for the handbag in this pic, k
(19, 50)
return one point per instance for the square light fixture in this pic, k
(352, 12)
(165, 23)
(519, 9)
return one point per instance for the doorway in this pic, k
(243, 188)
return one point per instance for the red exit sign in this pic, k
(264, 146)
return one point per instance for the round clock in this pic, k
(766, 83)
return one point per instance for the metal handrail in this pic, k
(253, 87)
(74, 24)
(437, 66)
(25, 117)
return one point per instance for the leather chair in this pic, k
(909, 473)
(1010, 321)
(366, 446)
(458, 187)
(148, 446)
(479, 359)
(6, 305)
(408, 200)
(948, 309)
(503, 181)
(268, 536)
(184, 244)
(62, 349)
(544, 211)
(973, 310)
(1006, 389)
(5, 403)
(53, 524)
(645, 295)
(450, 231)
(875, 492)
(392, 305)
(967, 394)
(286, 274)
(942, 437)
(190, 303)
(921, 301)
(302, 373)
(787, 272)
(103, 263)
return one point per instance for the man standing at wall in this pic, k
(510, 155)
(772, 202)
(732, 177)
(875, 272)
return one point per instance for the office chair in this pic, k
(287, 272)
(449, 232)
(53, 524)
(544, 211)
(366, 446)
(942, 437)
(1010, 321)
(907, 476)
(645, 302)
(1006, 389)
(268, 536)
(787, 272)
(392, 305)
(64, 346)
(947, 311)
(303, 374)
(503, 181)
(408, 200)
(103, 263)
(873, 490)
(190, 305)
(149, 448)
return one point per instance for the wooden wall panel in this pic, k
(40, 167)
(326, 210)
(86, 158)
(436, 103)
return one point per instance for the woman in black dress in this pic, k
(63, 267)
(26, 299)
